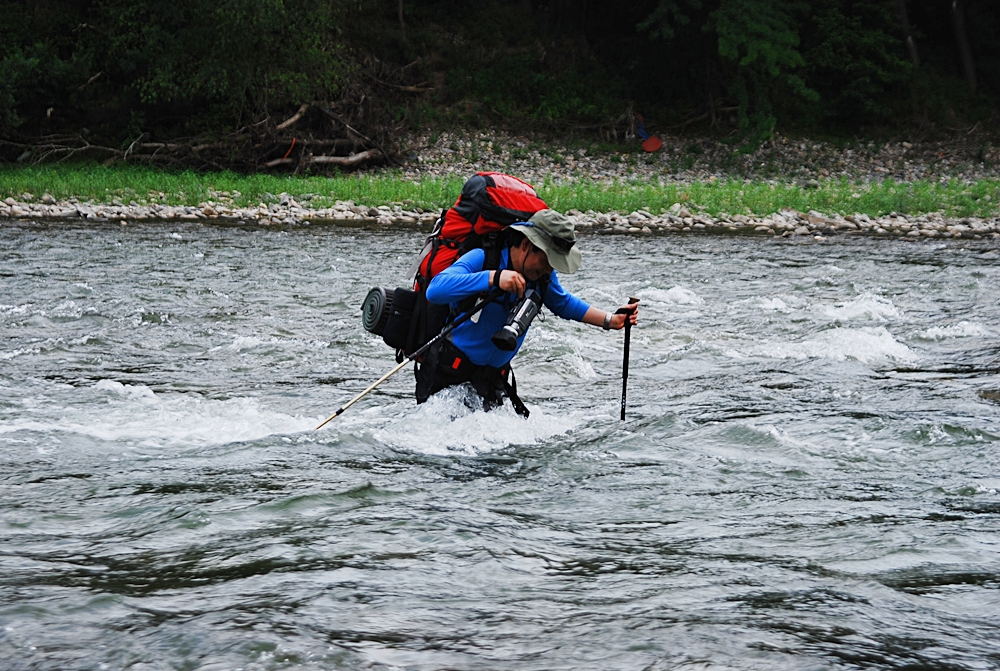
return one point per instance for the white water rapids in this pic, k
(808, 476)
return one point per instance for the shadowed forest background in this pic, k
(235, 78)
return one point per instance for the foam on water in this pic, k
(446, 424)
(136, 415)
(14, 309)
(7, 356)
(673, 296)
(963, 329)
(773, 304)
(243, 343)
(866, 307)
(49, 345)
(136, 391)
(866, 344)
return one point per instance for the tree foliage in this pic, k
(856, 61)
(793, 60)
(759, 41)
(125, 68)
(121, 63)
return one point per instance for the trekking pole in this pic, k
(628, 337)
(493, 295)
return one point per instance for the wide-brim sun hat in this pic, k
(554, 234)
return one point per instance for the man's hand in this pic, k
(512, 281)
(629, 312)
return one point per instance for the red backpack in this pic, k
(489, 202)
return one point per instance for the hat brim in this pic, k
(565, 262)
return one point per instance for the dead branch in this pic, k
(360, 133)
(419, 88)
(343, 161)
(347, 161)
(91, 80)
(327, 110)
(287, 123)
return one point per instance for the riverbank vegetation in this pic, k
(143, 185)
(294, 86)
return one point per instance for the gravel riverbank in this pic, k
(678, 219)
(681, 161)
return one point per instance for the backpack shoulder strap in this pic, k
(493, 244)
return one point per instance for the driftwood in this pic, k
(342, 161)
(288, 123)
(356, 130)
(261, 146)
(347, 161)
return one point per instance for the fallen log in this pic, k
(279, 161)
(344, 161)
(353, 159)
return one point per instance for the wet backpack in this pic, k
(489, 202)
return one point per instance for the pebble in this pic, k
(684, 160)
(787, 223)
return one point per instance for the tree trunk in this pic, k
(958, 23)
(402, 26)
(911, 45)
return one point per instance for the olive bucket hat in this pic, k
(553, 233)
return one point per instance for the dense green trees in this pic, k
(123, 68)
(832, 64)
(117, 62)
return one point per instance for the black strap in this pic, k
(493, 247)
(515, 400)
(425, 372)
(444, 365)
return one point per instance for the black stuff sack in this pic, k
(410, 316)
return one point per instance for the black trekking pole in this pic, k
(493, 295)
(628, 337)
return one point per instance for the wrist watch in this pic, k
(607, 321)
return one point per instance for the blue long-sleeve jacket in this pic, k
(465, 278)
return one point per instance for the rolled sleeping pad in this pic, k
(375, 310)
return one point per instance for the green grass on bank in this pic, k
(102, 184)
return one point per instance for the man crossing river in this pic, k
(533, 251)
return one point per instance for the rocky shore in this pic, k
(787, 223)
(681, 160)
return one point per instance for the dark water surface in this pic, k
(807, 480)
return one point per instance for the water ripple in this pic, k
(807, 478)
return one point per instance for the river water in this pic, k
(807, 478)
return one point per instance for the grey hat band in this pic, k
(562, 244)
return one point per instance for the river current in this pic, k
(807, 477)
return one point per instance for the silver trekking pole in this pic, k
(493, 295)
